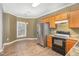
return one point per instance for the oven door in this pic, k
(58, 44)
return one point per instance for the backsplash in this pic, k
(65, 27)
(75, 33)
(52, 31)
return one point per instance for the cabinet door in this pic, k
(44, 20)
(74, 19)
(69, 44)
(62, 16)
(49, 42)
(52, 22)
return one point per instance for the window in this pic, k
(21, 29)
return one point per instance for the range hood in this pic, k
(63, 21)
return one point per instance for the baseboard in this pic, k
(28, 39)
(10, 42)
(19, 40)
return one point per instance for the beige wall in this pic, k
(31, 26)
(10, 27)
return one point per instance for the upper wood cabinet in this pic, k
(61, 16)
(74, 19)
(52, 22)
(44, 20)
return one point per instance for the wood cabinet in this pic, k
(74, 19)
(52, 22)
(62, 16)
(69, 44)
(49, 41)
(44, 20)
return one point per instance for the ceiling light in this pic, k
(35, 4)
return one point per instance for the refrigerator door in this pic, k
(45, 33)
(39, 34)
(45, 29)
(42, 32)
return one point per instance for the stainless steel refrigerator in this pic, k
(42, 33)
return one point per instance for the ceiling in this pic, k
(26, 10)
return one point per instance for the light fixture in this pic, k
(35, 4)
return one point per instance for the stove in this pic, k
(59, 41)
(62, 34)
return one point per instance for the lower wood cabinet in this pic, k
(69, 44)
(49, 41)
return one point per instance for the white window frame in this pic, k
(24, 23)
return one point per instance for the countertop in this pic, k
(73, 38)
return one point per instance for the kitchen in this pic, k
(64, 33)
(52, 34)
